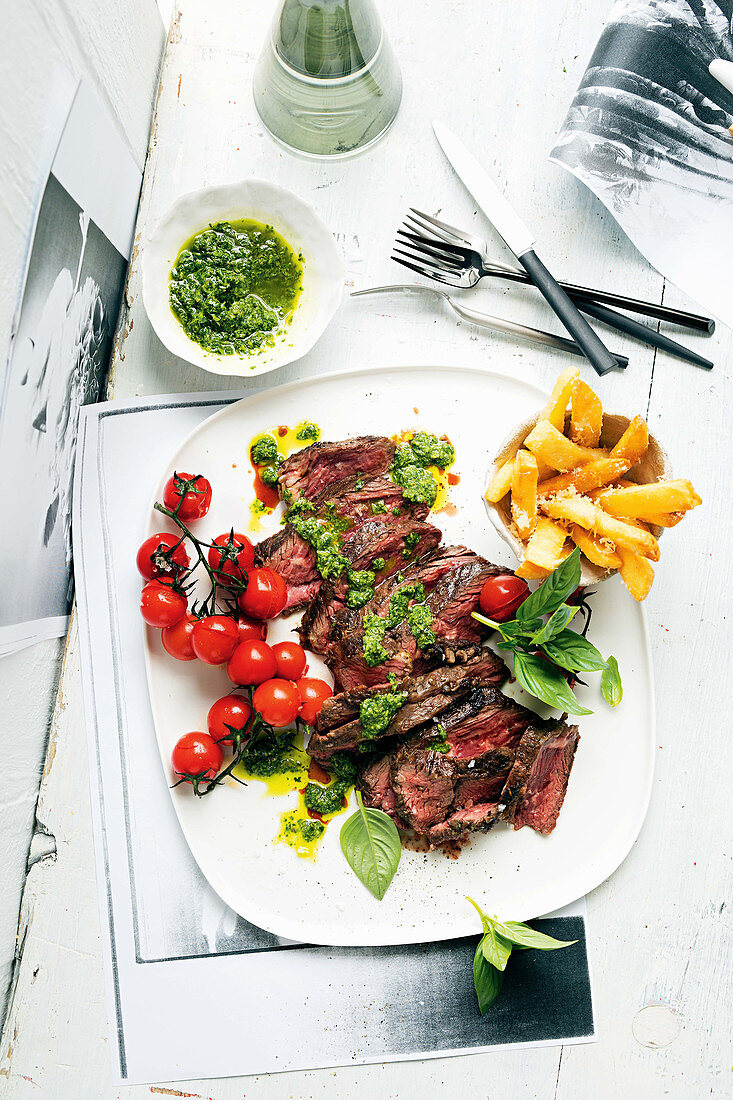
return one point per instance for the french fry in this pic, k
(604, 556)
(636, 573)
(555, 409)
(633, 443)
(591, 517)
(501, 483)
(524, 493)
(546, 544)
(586, 415)
(643, 501)
(550, 445)
(669, 519)
(531, 572)
(584, 479)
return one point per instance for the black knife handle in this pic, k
(593, 347)
(644, 333)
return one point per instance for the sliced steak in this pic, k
(376, 788)
(339, 727)
(541, 792)
(310, 471)
(377, 538)
(353, 499)
(295, 560)
(423, 782)
(475, 818)
(484, 723)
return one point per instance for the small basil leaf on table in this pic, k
(487, 980)
(522, 936)
(554, 590)
(554, 625)
(574, 652)
(546, 683)
(371, 844)
(611, 689)
(496, 949)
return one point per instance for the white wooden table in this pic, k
(658, 928)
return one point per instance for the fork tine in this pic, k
(424, 248)
(452, 252)
(428, 274)
(428, 227)
(456, 234)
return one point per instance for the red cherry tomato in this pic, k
(230, 712)
(196, 754)
(214, 639)
(313, 694)
(501, 596)
(196, 493)
(265, 595)
(177, 638)
(290, 660)
(251, 628)
(251, 663)
(277, 701)
(157, 558)
(235, 557)
(161, 605)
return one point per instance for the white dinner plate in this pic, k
(519, 875)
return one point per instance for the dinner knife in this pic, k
(517, 236)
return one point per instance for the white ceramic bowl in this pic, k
(295, 220)
(654, 466)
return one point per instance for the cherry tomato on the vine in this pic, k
(214, 639)
(161, 605)
(265, 595)
(251, 628)
(290, 660)
(232, 556)
(313, 694)
(251, 663)
(157, 558)
(177, 638)
(501, 596)
(196, 493)
(277, 701)
(230, 712)
(196, 754)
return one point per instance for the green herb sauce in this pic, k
(410, 466)
(326, 800)
(420, 622)
(377, 711)
(308, 431)
(400, 601)
(264, 450)
(378, 507)
(234, 287)
(378, 563)
(374, 628)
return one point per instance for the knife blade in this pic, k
(519, 239)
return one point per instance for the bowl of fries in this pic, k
(575, 475)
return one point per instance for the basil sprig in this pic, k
(371, 844)
(545, 650)
(494, 951)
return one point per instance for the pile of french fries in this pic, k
(567, 490)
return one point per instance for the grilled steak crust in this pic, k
(377, 538)
(308, 472)
(424, 785)
(485, 722)
(542, 794)
(376, 788)
(479, 817)
(338, 727)
(295, 560)
(352, 498)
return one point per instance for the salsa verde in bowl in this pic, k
(241, 278)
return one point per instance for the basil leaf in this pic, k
(574, 652)
(554, 589)
(554, 625)
(611, 688)
(512, 629)
(546, 683)
(496, 949)
(371, 844)
(487, 980)
(525, 937)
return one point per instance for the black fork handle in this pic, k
(593, 347)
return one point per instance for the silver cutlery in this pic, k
(459, 259)
(519, 239)
(458, 241)
(486, 320)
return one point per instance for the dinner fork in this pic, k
(486, 320)
(461, 259)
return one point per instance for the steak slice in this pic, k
(376, 788)
(339, 728)
(539, 785)
(485, 724)
(475, 818)
(424, 785)
(295, 560)
(352, 499)
(377, 538)
(308, 472)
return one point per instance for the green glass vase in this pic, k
(327, 83)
